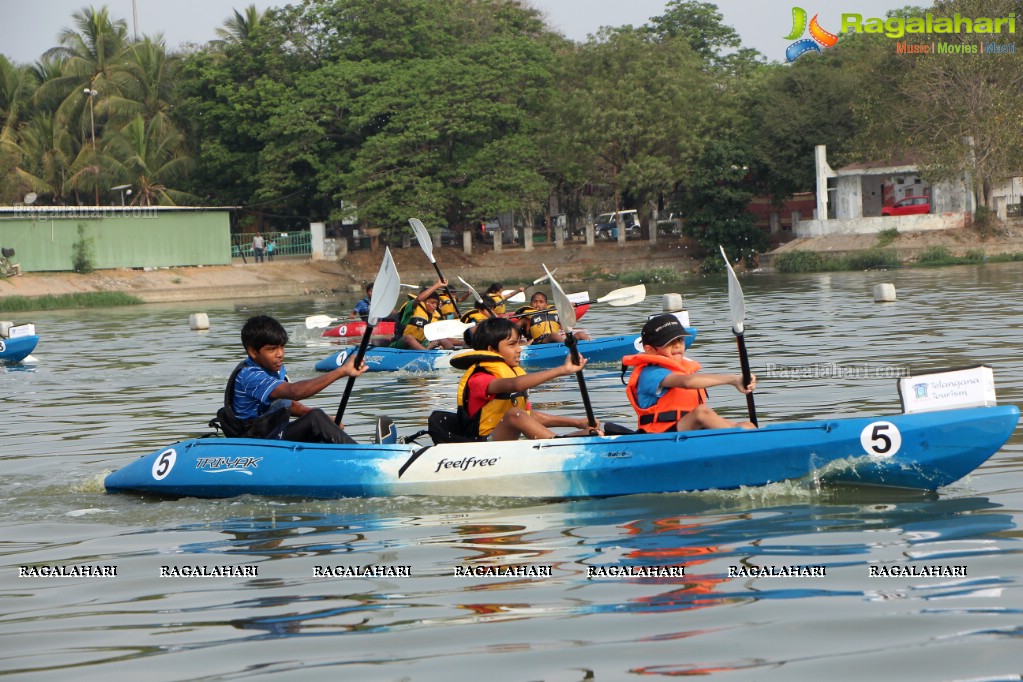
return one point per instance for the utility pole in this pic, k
(92, 122)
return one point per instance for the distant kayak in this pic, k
(537, 356)
(18, 348)
(354, 329)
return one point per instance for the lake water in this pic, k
(111, 385)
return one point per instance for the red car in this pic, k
(908, 206)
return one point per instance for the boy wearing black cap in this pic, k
(665, 389)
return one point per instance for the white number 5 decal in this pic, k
(164, 463)
(881, 439)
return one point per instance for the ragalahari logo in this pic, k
(818, 36)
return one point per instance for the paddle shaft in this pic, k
(359, 355)
(740, 341)
(570, 341)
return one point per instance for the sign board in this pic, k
(22, 330)
(972, 387)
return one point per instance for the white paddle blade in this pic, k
(423, 237)
(318, 321)
(513, 296)
(446, 329)
(537, 281)
(475, 294)
(566, 311)
(736, 302)
(624, 296)
(386, 288)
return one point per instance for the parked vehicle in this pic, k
(606, 225)
(908, 206)
(489, 228)
(450, 237)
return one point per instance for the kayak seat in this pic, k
(613, 429)
(447, 427)
(386, 432)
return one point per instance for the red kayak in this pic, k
(356, 328)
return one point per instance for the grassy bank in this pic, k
(92, 299)
(879, 258)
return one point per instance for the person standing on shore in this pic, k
(258, 246)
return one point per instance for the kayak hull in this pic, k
(538, 356)
(921, 451)
(18, 348)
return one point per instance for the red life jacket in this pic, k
(670, 407)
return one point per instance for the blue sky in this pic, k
(761, 24)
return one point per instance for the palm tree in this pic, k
(90, 60)
(151, 89)
(47, 151)
(238, 28)
(149, 156)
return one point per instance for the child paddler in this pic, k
(492, 393)
(416, 314)
(540, 322)
(666, 389)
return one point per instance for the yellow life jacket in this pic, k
(446, 308)
(484, 421)
(496, 299)
(540, 324)
(475, 315)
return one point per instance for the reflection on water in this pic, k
(112, 385)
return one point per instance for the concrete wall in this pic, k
(44, 238)
(905, 223)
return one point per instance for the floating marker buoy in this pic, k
(198, 321)
(884, 293)
(673, 303)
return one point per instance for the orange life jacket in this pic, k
(670, 407)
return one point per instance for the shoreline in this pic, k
(297, 277)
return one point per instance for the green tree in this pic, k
(716, 202)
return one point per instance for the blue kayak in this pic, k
(924, 450)
(539, 356)
(18, 348)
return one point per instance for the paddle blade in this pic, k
(566, 311)
(386, 288)
(514, 296)
(423, 237)
(624, 296)
(475, 294)
(736, 302)
(446, 329)
(318, 321)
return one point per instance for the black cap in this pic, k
(661, 330)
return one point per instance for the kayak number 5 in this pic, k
(164, 463)
(881, 439)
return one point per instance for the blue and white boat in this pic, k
(18, 347)
(539, 356)
(925, 450)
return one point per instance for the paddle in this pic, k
(616, 298)
(568, 319)
(318, 321)
(426, 244)
(385, 294)
(737, 306)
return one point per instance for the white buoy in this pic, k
(198, 321)
(674, 304)
(884, 293)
